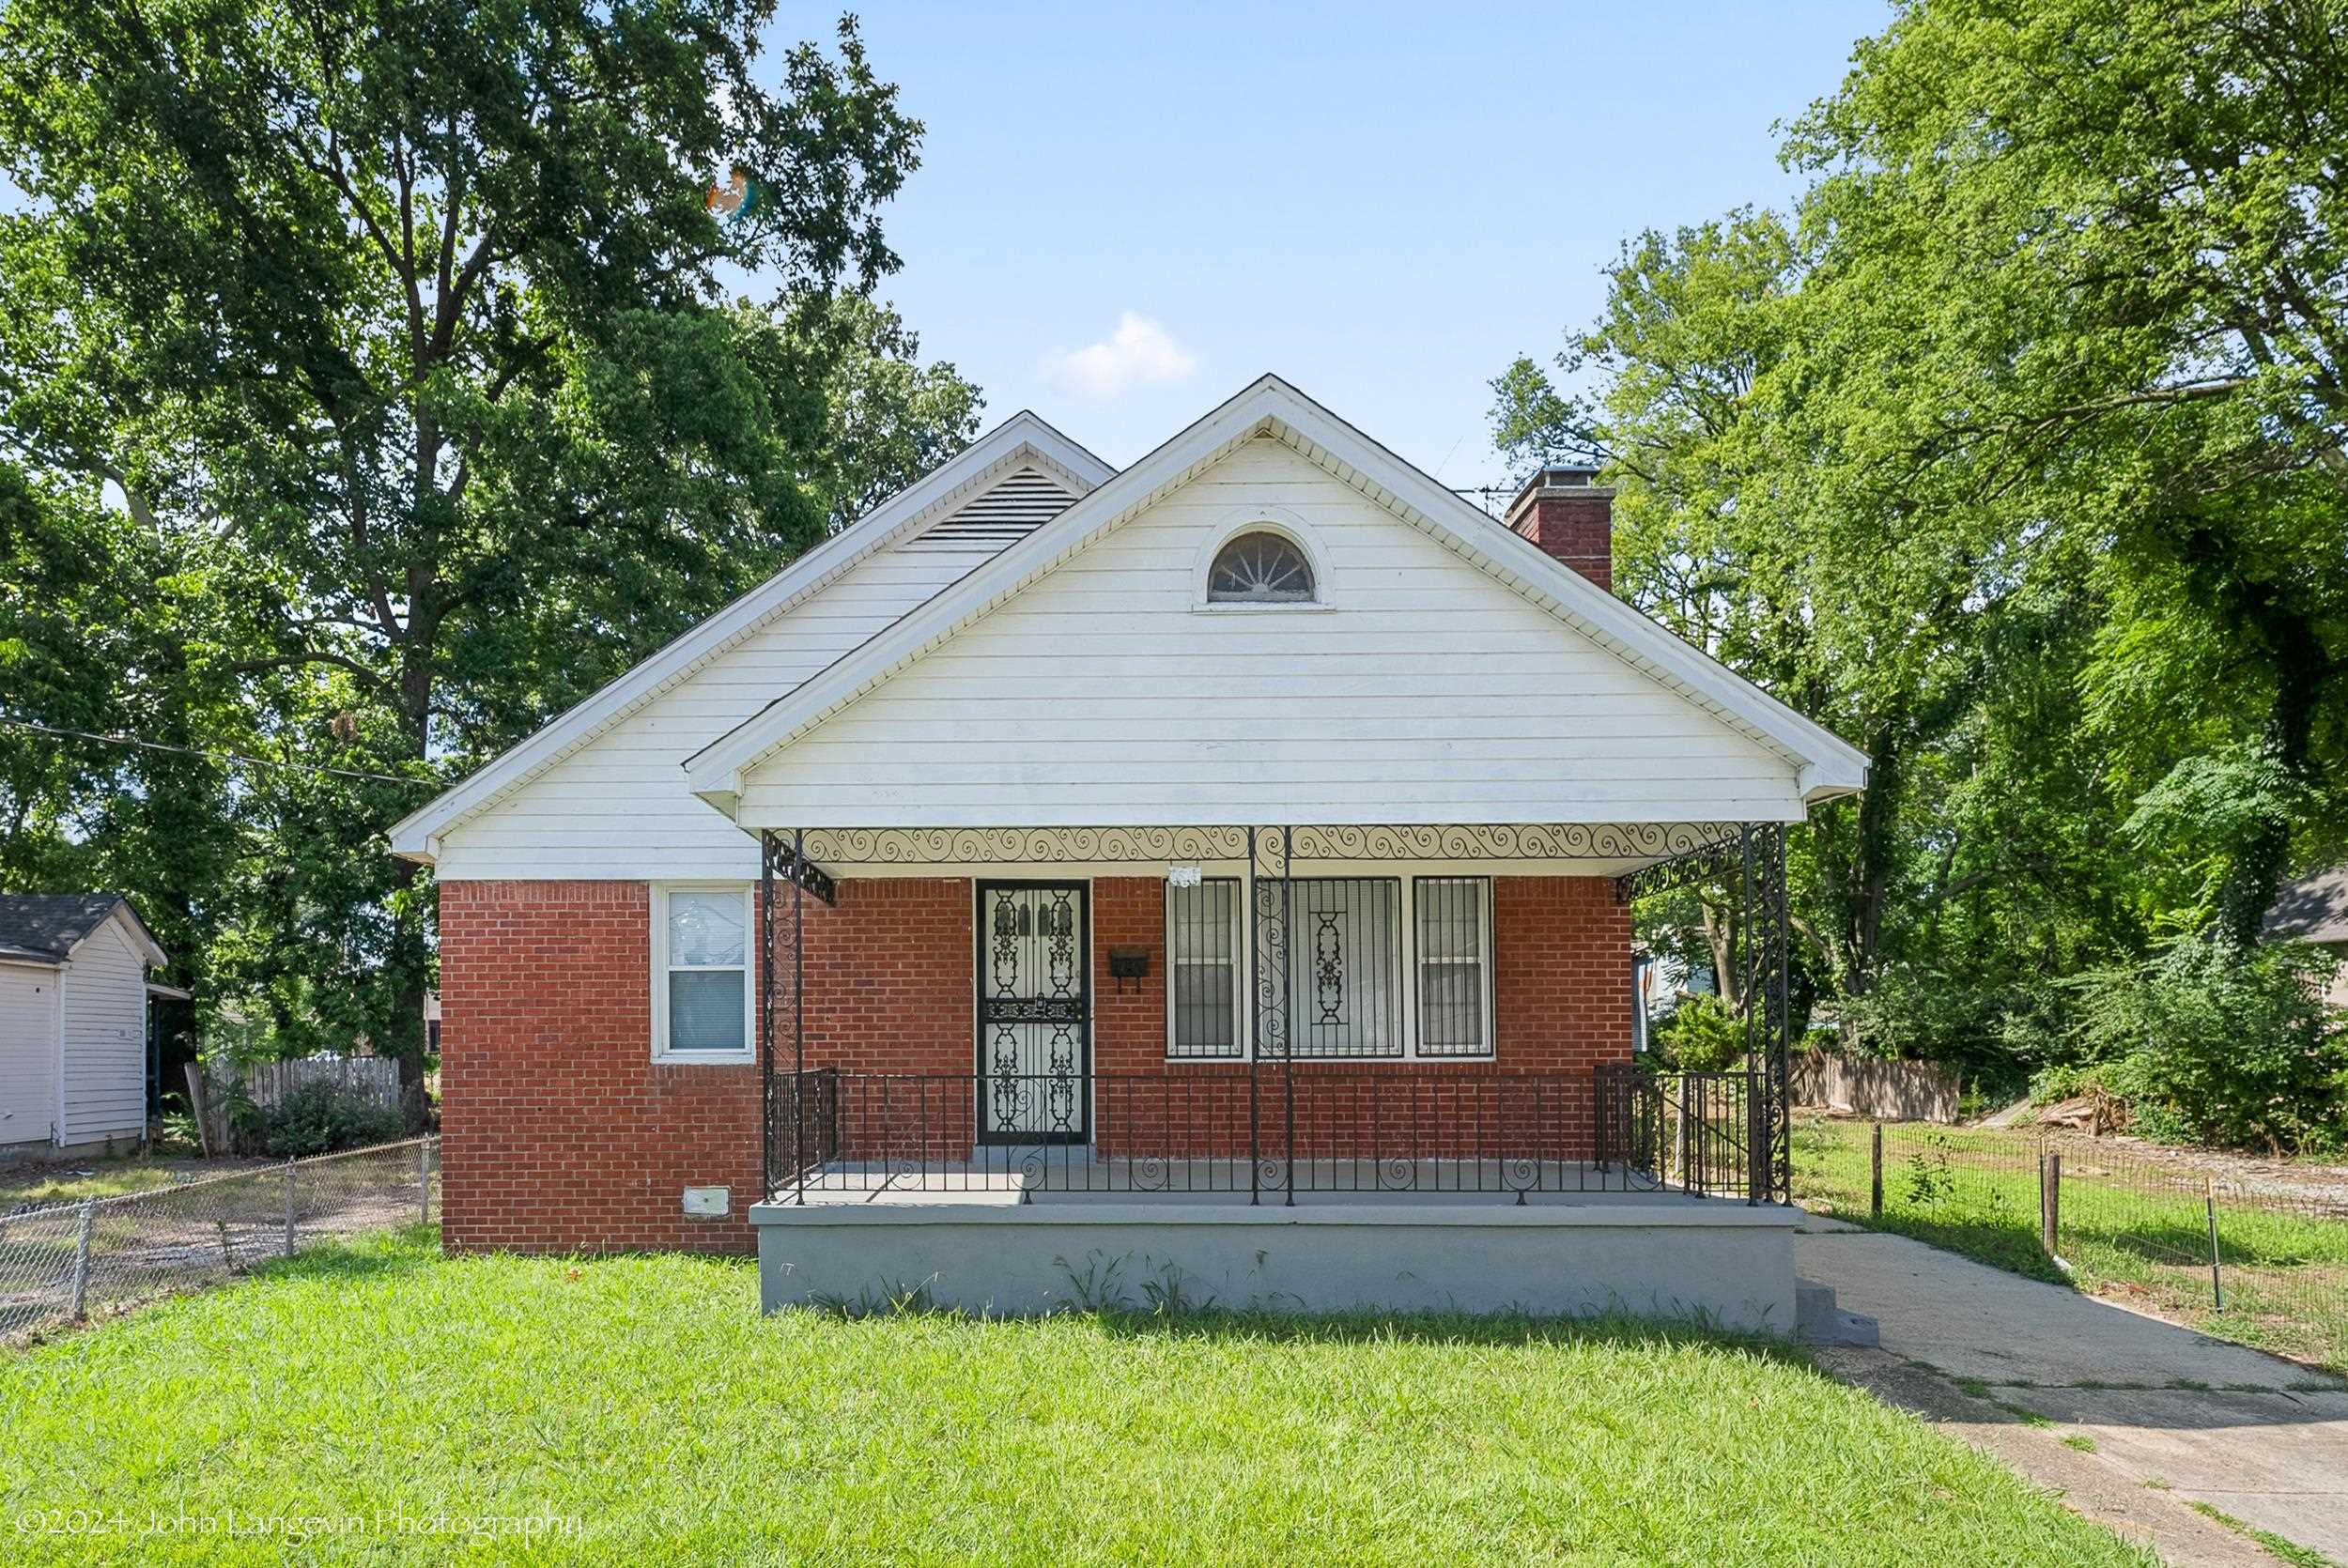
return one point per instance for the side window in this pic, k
(701, 964)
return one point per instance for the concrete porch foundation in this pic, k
(1726, 1264)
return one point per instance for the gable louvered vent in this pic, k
(1004, 515)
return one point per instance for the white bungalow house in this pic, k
(74, 1058)
(1218, 870)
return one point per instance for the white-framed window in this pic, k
(1452, 945)
(1261, 567)
(1379, 968)
(1345, 968)
(701, 971)
(1206, 984)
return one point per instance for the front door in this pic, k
(1035, 1013)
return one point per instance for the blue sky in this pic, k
(1384, 204)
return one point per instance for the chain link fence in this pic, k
(2262, 1261)
(68, 1262)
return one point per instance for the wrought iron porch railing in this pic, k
(1272, 1137)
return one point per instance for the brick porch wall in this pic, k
(1561, 1005)
(560, 1132)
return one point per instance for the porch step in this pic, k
(1818, 1321)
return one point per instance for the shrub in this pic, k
(1703, 1035)
(320, 1117)
(2214, 1043)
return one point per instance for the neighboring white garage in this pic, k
(73, 1020)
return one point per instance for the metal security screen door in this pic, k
(1035, 1013)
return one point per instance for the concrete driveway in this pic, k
(2131, 1419)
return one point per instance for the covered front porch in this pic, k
(1395, 1170)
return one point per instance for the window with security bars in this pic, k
(1202, 970)
(1345, 966)
(1454, 954)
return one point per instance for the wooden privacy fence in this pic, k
(1873, 1087)
(375, 1078)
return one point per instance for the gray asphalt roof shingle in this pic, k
(45, 926)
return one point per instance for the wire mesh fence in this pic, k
(2263, 1262)
(72, 1261)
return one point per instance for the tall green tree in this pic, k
(2014, 455)
(2085, 272)
(408, 321)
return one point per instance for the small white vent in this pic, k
(1002, 514)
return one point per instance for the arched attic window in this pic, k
(1260, 568)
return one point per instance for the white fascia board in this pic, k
(1829, 766)
(1616, 624)
(417, 836)
(134, 929)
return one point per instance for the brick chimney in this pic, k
(1569, 515)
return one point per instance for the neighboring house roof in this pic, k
(1827, 765)
(1037, 468)
(46, 928)
(2314, 909)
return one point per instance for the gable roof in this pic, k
(46, 928)
(1023, 449)
(1827, 766)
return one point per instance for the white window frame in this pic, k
(1277, 520)
(1409, 873)
(1241, 991)
(1485, 961)
(661, 967)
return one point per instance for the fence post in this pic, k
(2217, 1285)
(2050, 1200)
(1874, 1183)
(423, 1181)
(81, 1257)
(289, 1206)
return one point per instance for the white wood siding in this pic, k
(28, 1053)
(1427, 692)
(618, 806)
(105, 1037)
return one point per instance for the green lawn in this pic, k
(646, 1400)
(1976, 1192)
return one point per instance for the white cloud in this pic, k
(1140, 353)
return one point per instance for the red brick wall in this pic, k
(560, 1132)
(1561, 1004)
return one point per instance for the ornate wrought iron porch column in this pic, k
(1768, 1012)
(1268, 854)
(1752, 856)
(792, 860)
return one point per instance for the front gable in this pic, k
(1423, 688)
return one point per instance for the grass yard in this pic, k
(2129, 1238)
(646, 1400)
(34, 1185)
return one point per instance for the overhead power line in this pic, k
(212, 756)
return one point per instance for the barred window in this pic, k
(1454, 945)
(1345, 963)
(1204, 988)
